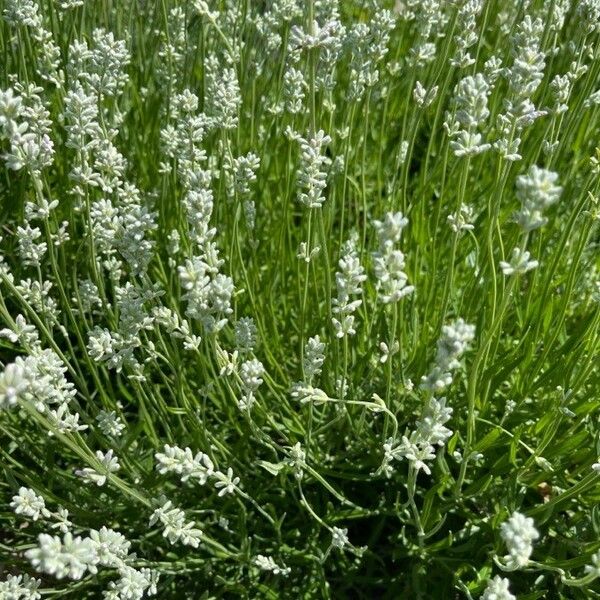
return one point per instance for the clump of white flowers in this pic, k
(523, 78)
(497, 589)
(109, 463)
(424, 97)
(462, 220)
(419, 446)
(312, 174)
(195, 467)
(520, 262)
(518, 533)
(223, 94)
(39, 380)
(339, 537)
(314, 357)
(537, 190)
(245, 334)
(26, 129)
(74, 556)
(454, 342)
(175, 527)
(348, 281)
(267, 563)
(294, 89)
(110, 424)
(593, 570)
(469, 114)
(251, 374)
(12, 385)
(70, 557)
(20, 587)
(29, 504)
(466, 35)
(388, 260)
(207, 292)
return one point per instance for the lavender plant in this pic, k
(300, 299)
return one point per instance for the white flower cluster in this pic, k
(537, 190)
(368, 45)
(518, 533)
(196, 467)
(523, 78)
(223, 98)
(133, 584)
(497, 589)
(429, 20)
(176, 327)
(20, 332)
(593, 569)
(74, 556)
(207, 291)
(312, 177)
(314, 357)
(348, 281)
(462, 220)
(388, 260)
(243, 173)
(94, 74)
(305, 393)
(87, 297)
(110, 424)
(46, 53)
(183, 135)
(24, 124)
(103, 67)
(423, 97)
(29, 504)
(561, 86)
(454, 342)
(20, 587)
(419, 447)
(31, 251)
(108, 463)
(588, 13)
(12, 385)
(120, 221)
(176, 528)
(37, 294)
(519, 263)
(38, 378)
(251, 373)
(470, 113)
(466, 26)
(294, 88)
(70, 557)
(316, 37)
(245, 335)
(339, 538)
(269, 21)
(267, 563)
(118, 348)
(297, 460)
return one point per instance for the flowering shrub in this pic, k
(299, 299)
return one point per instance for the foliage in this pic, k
(300, 299)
